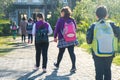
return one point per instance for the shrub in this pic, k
(4, 29)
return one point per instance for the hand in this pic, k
(55, 39)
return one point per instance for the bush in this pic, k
(5, 29)
(117, 60)
(81, 38)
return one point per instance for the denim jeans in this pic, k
(30, 37)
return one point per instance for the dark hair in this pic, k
(14, 23)
(101, 12)
(23, 18)
(40, 15)
(30, 19)
(67, 11)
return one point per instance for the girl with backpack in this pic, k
(29, 30)
(41, 30)
(14, 29)
(66, 32)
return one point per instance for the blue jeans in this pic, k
(30, 37)
(102, 67)
(72, 55)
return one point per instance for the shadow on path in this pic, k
(54, 76)
(26, 77)
(36, 76)
(15, 46)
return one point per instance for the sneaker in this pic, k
(73, 70)
(36, 68)
(55, 64)
(44, 70)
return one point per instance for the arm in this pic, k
(90, 34)
(34, 30)
(75, 23)
(50, 30)
(10, 27)
(116, 30)
(56, 29)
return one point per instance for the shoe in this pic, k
(36, 68)
(73, 70)
(55, 64)
(44, 70)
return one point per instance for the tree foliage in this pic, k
(84, 12)
(5, 6)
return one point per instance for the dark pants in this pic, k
(72, 55)
(102, 67)
(23, 37)
(41, 48)
(30, 37)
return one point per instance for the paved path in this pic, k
(18, 65)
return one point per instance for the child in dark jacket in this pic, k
(29, 30)
(102, 63)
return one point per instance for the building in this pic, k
(70, 3)
(28, 8)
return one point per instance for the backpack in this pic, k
(41, 35)
(14, 27)
(29, 26)
(104, 42)
(69, 32)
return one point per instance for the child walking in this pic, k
(66, 32)
(29, 30)
(14, 29)
(102, 36)
(23, 25)
(41, 30)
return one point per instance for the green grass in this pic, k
(4, 45)
(2, 21)
(117, 60)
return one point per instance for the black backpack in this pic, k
(41, 35)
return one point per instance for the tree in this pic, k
(84, 14)
(5, 6)
(55, 12)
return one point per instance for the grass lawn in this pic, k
(4, 21)
(5, 46)
(117, 60)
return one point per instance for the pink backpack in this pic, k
(14, 28)
(69, 32)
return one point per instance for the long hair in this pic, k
(67, 11)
